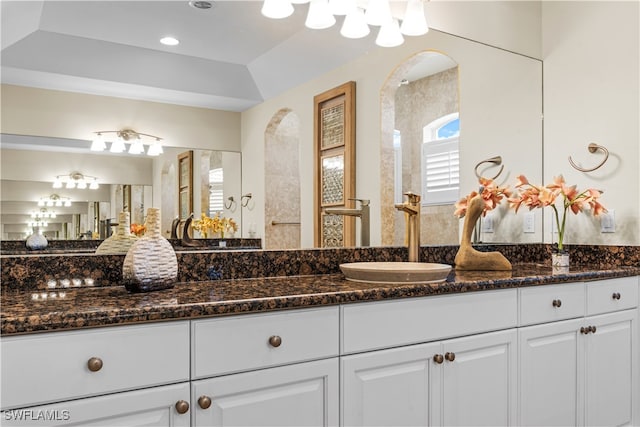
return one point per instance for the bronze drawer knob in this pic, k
(182, 406)
(556, 303)
(438, 358)
(275, 341)
(450, 356)
(616, 295)
(94, 364)
(204, 402)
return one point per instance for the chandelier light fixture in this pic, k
(76, 180)
(119, 138)
(55, 200)
(358, 16)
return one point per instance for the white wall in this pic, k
(591, 53)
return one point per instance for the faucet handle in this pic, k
(365, 202)
(413, 197)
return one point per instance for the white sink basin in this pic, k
(395, 272)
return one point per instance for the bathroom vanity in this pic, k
(519, 348)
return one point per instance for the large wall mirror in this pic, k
(443, 112)
(31, 164)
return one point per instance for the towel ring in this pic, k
(231, 203)
(593, 147)
(497, 160)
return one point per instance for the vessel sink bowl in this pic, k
(395, 272)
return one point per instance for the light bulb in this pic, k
(70, 184)
(93, 186)
(277, 9)
(57, 183)
(58, 203)
(40, 202)
(67, 203)
(81, 184)
(414, 22)
(155, 149)
(319, 16)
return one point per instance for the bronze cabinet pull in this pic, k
(584, 330)
(182, 406)
(275, 341)
(450, 356)
(438, 358)
(556, 303)
(616, 295)
(204, 402)
(94, 364)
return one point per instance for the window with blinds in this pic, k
(441, 161)
(216, 180)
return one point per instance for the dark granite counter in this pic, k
(27, 311)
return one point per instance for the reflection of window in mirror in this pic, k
(441, 161)
(216, 191)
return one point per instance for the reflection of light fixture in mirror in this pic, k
(76, 180)
(121, 137)
(359, 14)
(54, 200)
(43, 213)
(244, 202)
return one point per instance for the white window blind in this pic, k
(216, 193)
(441, 161)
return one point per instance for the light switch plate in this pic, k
(608, 222)
(529, 223)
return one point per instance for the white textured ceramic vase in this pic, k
(121, 241)
(150, 263)
(36, 241)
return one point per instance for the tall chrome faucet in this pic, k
(363, 213)
(411, 208)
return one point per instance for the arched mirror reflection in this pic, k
(420, 146)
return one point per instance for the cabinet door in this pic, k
(150, 407)
(551, 366)
(304, 394)
(479, 380)
(610, 366)
(389, 387)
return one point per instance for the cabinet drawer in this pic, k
(378, 325)
(241, 343)
(548, 303)
(609, 295)
(50, 367)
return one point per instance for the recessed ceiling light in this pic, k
(201, 4)
(169, 41)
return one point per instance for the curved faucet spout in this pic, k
(411, 208)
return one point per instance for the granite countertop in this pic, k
(74, 308)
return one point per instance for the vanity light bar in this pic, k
(132, 137)
(76, 180)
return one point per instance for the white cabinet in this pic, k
(304, 394)
(430, 374)
(583, 371)
(272, 369)
(428, 384)
(156, 406)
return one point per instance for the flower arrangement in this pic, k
(491, 193)
(537, 196)
(215, 224)
(137, 229)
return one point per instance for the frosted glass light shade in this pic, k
(94, 185)
(355, 26)
(319, 16)
(154, 149)
(277, 9)
(341, 7)
(117, 146)
(414, 22)
(136, 147)
(390, 35)
(378, 12)
(98, 144)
